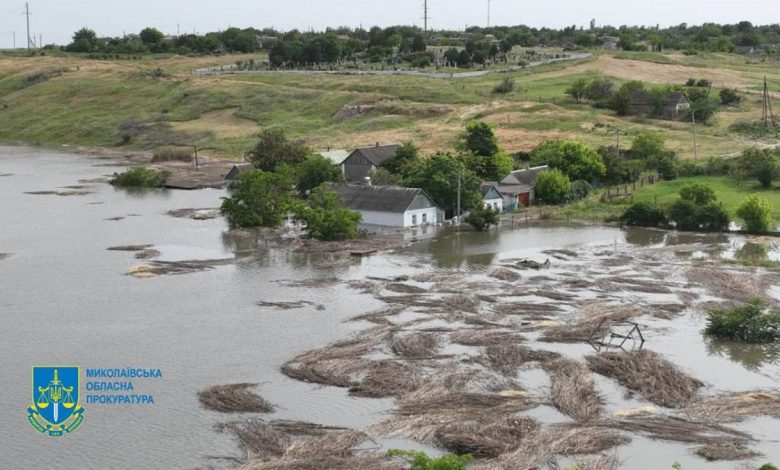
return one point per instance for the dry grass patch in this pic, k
(735, 407)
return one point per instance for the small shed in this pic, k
(236, 170)
(670, 107)
(362, 160)
(392, 206)
(491, 196)
(517, 188)
(337, 156)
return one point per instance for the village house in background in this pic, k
(362, 160)
(391, 206)
(673, 103)
(491, 196)
(517, 188)
(336, 156)
(236, 170)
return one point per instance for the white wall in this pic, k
(389, 219)
(495, 203)
(430, 219)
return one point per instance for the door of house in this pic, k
(525, 199)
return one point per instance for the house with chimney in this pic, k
(362, 160)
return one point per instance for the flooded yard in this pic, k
(464, 342)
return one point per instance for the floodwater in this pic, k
(67, 300)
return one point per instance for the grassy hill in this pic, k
(78, 101)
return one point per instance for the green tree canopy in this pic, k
(438, 176)
(482, 154)
(151, 36)
(314, 171)
(761, 164)
(258, 199)
(326, 217)
(698, 193)
(577, 89)
(576, 160)
(84, 40)
(552, 187)
(274, 149)
(406, 154)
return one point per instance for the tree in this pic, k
(576, 160)
(651, 149)
(577, 89)
(622, 102)
(258, 199)
(406, 154)
(599, 89)
(756, 212)
(84, 40)
(689, 216)
(481, 218)
(314, 171)
(552, 187)
(382, 177)
(151, 36)
(729, 96)
(273, 149)
(482, 153)
(326, 217)
(761, 164)
(438, 176)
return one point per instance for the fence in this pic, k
(624, 190)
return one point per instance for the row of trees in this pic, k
(479, 43)
(697, 210)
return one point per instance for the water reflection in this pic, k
(752, 253)
(645, 237)
(458, 250)
(751, 356)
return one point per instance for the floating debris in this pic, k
(735, 407)
(573, 391)
(195, 214)
(415, 345)
(504, 274)
(648, 374)
(233, 398)
(129, 248)
(59, 193)
(291, 305)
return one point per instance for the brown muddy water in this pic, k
(66, 299)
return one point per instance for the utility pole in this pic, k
(693, 121)
(14, 33)
(26, 12)
(425, 15)
(178, 31)
(458, 214)
(488, 23)
(617, 142)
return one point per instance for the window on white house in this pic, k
(425, 218)
(414, 219)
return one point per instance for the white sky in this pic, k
(56, 20)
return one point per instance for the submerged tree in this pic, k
(258, 199)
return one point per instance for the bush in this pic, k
(140, 177)
(750, 323)
(420, 461)
(756, 212)
(481, 218)
(698, 193)
(729, 96)
(552, 187)
(692, 217)
(576, 160)
(761, 164)
(580, 189)
(643, 214)
(506, 86)
(167, 154)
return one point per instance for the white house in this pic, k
(391, 206)
(491, 196)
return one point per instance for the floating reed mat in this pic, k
(726, 451)
(541, 447)
(233, 398)
(386, 379)
(485, 337)
(507, 358)
(484, 438)
(734, 286)
(281, 446)
(594, 322)
(648, 374)
(735, 407)
(573, 391)
(414, 345)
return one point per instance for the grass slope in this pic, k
(87, 104)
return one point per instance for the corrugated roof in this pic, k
(524, 177)
(377, 154)
(336, 156)
(377, 198)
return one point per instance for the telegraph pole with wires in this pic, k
(26, 12)
(459, 178)
(767, 116)
(617, 142)
(425, 15)
(488, 18)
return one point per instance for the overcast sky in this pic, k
(56, 20)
